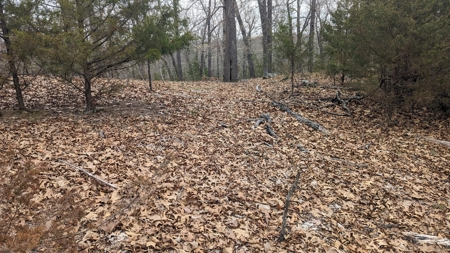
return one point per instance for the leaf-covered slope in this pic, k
(187, 183)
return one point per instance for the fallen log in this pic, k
(310, 123)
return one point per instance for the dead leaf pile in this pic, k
(196, 174)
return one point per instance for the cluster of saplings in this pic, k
(399, 47)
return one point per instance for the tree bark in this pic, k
(11, 58)
(311, 36)
(298, 44)
(175, 66)
(292, 57)
(209, 38)
(169, 71)
(230, 66)
(150, 86)
(88, 94)
(245, 38)
(269, 36)
(320, 40)
(264, 25)
(179, 68)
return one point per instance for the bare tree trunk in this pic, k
(179, 68)
(218, 61)
(169, 71)
(88, 94)
(292, 57)
(269, 36)
(245, 38)
(230, 63)
(299, 33)
(320, 40)
(149, 75)
(209, 38)
(11, 60)
(311, 36)
(264, 25)
(175, 66)
(202, 53)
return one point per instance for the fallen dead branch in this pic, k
(342, 102)
(436, 141)
(286, 207)
(284, 108)
(426, 239)
(89, 174)
(358, 96)
(270, 131)
(310, 123)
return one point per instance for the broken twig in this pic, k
(89, 174)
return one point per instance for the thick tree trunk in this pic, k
(88, 94)
(269, 36)
(292, 57)
(179, 68)
(209, 38)
(11, 60)
(175, 66)
(311, 36)
(202, 51)
(230, 64)
(218, 60)
(298, 44)
(263, 15)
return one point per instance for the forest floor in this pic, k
(194, 173)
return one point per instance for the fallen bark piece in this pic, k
(427, 239)
(89, 174)
(310, 123)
